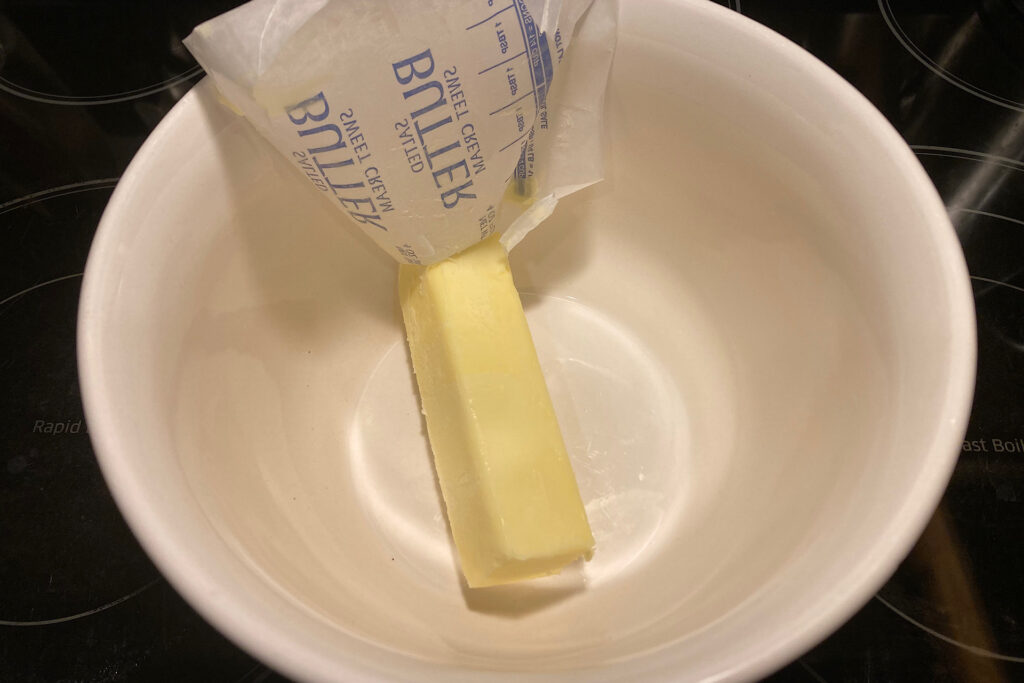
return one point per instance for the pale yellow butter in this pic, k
(509, 489)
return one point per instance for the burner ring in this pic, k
(87, 100)
(973, 649)
(87, 613)
(60, 191)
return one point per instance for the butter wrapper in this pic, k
(430, 124)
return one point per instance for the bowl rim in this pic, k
(248, 627)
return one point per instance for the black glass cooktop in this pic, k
(82, 82)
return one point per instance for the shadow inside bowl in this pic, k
(519, 600)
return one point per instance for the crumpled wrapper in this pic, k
(430, 124)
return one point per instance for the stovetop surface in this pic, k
(82, 83)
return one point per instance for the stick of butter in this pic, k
(512, 500)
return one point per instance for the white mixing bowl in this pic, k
(758, 333)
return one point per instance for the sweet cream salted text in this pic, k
(334, 157)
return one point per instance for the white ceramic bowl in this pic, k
(758, 333)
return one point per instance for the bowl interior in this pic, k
(755, 331)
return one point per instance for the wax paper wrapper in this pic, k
(431, 124)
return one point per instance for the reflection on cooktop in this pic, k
(976, 46)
